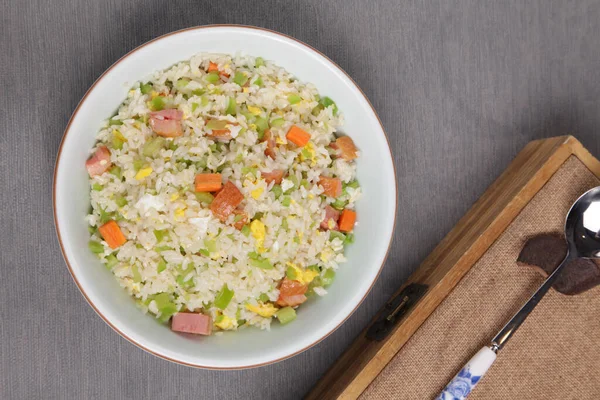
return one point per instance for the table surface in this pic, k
(461, 87)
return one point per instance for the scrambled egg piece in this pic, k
(174, 196)
(256, 193)
(279, 140)
(311, 196)
(259, 232)
(154, 94)
(254, 110)
(180, 212)
(119, 135)
(303, 276)
(326, 255)
(143, 173)
(246, 90)
(264, 310)
(225, 323)
(330, 223)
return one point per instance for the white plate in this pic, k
(317, 318)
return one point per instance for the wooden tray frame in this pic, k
(451, 259)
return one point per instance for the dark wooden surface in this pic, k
(461, 87)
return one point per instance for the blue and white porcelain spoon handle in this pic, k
(582, 231)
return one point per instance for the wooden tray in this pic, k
(441, 271)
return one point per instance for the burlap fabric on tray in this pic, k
(554, 355)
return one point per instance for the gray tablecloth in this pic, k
(460, 86)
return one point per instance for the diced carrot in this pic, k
(275, 176)
(332, 187)
(226, 201)
(347, 147)
(291, 293)
(213, 67)
(298, 136)
(271, 144)
(208, 182)
(112, 234)
(241, 222)
(222, 135)
(347, 220)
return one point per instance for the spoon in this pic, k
(582, 232)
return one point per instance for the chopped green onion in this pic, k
(259, 82)
(231, 107)
(211, 245)
(137, 277)
(349, 238)
(336, 235)
(287, 200)
(291, 273)
(263, 298)
(339, 204)
(261, 126)
(181, 83)
(213, 77)
(277, 191)
(194, 106)
(286, 315)
(161, 266)
(246, 230)
(277, 122)
(326, 102)
(111, 261)
(157, 103)
(204, 197)
(294, 98)
(97, 187)
(95, 247)
(216, 124)
(112, 122)
(146, 88)
(240, 78)
(224, 297)
(153, 146)
(160, 234)
(121, 201)
(259, 62)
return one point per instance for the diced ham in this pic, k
(347, 148)
(330, 222)
(332, 187)
(240, 224)
(222, 135)
(291, 293)
(195, 323)
(271, 144)
(167, 123)
(99, 162)
(226, 201)
(275, 176)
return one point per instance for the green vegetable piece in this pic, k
(97, 187)
(240, 78)
(349, 238)
(294, 98)
(159, 249)
(249, 170)
(117, 143)
(336, 235)
(304, 183)
(116, 171)
(216, 124)
(328, 277)
(161, 266)
(157, 103)
(213, 77)
(204, 101)
(339, 204)
(246, 230)
(223, 298)
(306, 153)
(260, 262)
(314, 268)
(286, 315)
(353, 184)
(258, 215)
(204, 197)
(137, 277)
(95, 247)
(165, 306)
(194, 106)
(284, 224)
(231, 107)
(287, 200)
(291, 273)
(121, 201)
(153, 146)
(111, 261)
(259, 82)
(259, 62)
(146, 88)
(198, 92)
(261, 126)
(138, 163)
(327, 102)
(213, 147)
(105, 216)
(114, 122)
(204, 252)
(92, 229)
(277, 122)
(211, 245)
(181, 83)
(160, 234)
(263, 298)
(221, 167)
(277, 191)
